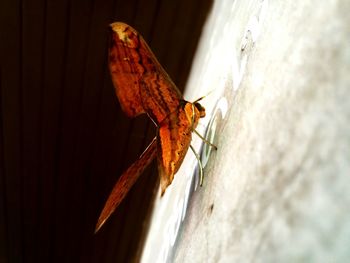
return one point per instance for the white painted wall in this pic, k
(278, 188)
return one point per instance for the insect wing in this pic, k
(124, 72)
(125, 182)
(141, 84)
(174, 138)
(158, 96)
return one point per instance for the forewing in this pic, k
(124, 69)
(141, 84)
(125, 182)
(158, 95)
(174, 138)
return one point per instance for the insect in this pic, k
(143, 86)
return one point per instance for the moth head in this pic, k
(193, 112)
(200, 109)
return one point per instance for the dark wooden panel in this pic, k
(55, 57)
(33, 21)
(11, 85)
(4, 248)
(63, 137)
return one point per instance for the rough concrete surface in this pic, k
(278, 188)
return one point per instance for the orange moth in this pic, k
(143, 86)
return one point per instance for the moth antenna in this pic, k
(200, 166)
(204, 96)
(199, 99)
(204, 140)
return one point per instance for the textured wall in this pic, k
(277, 189)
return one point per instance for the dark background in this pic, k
(63, 138)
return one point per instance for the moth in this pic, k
(143, 87)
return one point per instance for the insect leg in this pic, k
(204, 140)
(200, 166)
(198, 134)
(149, 116)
